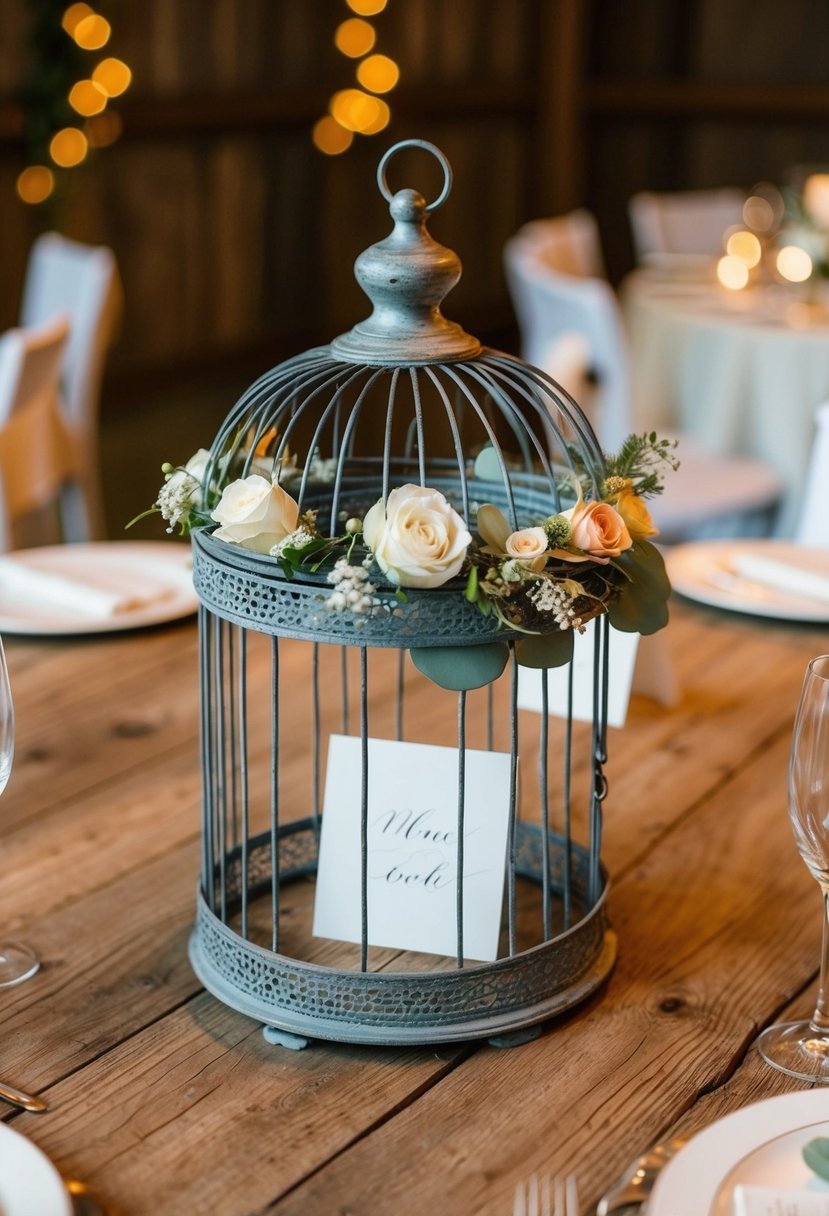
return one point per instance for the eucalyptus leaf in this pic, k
(488, 466)
(461, 668)
(642, 605)
(816, 1156)
(543, 650)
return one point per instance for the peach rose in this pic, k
(598, 530)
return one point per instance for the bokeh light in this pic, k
(35, 183)
(380, 121)
(330, 137)
(73, 16)
(794, 264)
(758, 213)
(112, 76)
(104, 129)
(746, 247)
(354, 37)
(378, 73)
(68, 147)
(87, 98)
(92, 32)
(732, 272)
(355, 110)
(366, 8)
(816, 198)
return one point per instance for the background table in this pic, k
(166, 1101)
(741, 371)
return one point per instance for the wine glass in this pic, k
(801, 1049)
(17, 963)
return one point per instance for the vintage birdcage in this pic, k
(404, 397)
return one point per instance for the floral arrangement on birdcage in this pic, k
(553, 575)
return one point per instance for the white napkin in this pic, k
(768, 1201)
(90, 594)
(781, 575)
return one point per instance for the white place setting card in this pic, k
(622, 660)
(412, 847)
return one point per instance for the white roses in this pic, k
(418, 539)
(255, 513)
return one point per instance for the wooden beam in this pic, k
(560, 113)
(699, 98)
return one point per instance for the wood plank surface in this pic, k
(166, 1101)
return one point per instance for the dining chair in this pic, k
(813, 525)
(710, 494)
(81, 281)
(36, 458)
(683, 222)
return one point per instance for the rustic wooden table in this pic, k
(165, 1101)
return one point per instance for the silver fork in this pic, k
(546, 1196)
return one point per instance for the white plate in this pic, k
(164, 566)
(29, 1183)
(758, 1145)
(703, 571)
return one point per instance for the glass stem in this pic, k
(820, 1018)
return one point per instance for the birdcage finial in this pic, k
(406, 277)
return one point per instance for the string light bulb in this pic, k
(92, 32)
(73, 16)
(87, 98)
(330, 137)
(35, 184)
(354, 37)
(366, 8)
(112, 76)
(378, 73)
(68, 147)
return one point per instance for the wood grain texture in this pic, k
(165, 1100)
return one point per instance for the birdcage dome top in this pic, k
(406, 403)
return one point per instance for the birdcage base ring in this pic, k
(298, 1026)
(480, 1000)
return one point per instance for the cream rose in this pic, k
(634, 512)
(598, 530)
(417, 539)
(530, 546)
(255, 514)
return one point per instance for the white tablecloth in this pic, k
(742, 372)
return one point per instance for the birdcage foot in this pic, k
(284, 1038)
(514, 1038)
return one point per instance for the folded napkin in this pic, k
(90, 594)
(768, 1201)
(781, 575)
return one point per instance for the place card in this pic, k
(412, 847)
(622, 660)
(768, 1201)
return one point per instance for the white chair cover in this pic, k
(81, 281)
(36, 450)
(813, 528)
(709, 495)
(685, 222)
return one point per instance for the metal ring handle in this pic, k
(415, 143)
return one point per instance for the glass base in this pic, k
(797, 1049)
(17, 963)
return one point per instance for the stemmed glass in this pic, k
(801, 1049)
(17, 963)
